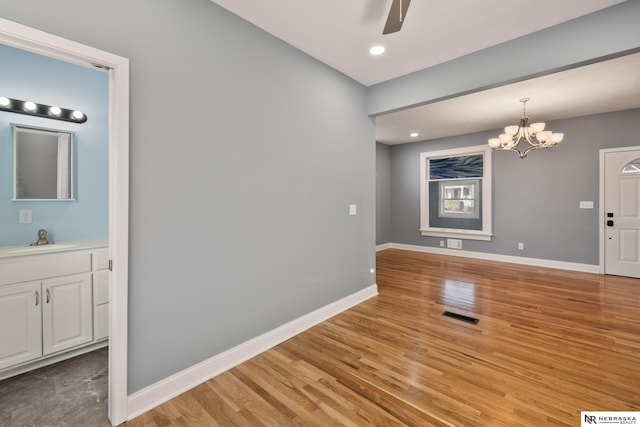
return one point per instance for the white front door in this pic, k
(622, 213)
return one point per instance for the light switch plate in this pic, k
(353, 210)
(586, 204)
(25, 216)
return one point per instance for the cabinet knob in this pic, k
(48, 296)
(37, 298)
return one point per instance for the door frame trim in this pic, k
(603, 152)
(36, 41)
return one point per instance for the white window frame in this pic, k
(486, 232)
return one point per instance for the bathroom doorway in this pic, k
(117, 68)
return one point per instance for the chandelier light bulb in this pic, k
(544, 136)
(511, 130)
(557, 137)
(537, 127)
(505, 138)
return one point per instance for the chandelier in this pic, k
(523, 138)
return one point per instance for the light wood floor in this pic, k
(549, 344)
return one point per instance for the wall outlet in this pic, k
(353, 210)
(454, 243)
(25, 216)
(521, 246)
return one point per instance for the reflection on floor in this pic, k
(67, 394)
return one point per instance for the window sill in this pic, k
(458, 234)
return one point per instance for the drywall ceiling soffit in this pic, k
(603, 87)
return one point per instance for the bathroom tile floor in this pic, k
(67, 394)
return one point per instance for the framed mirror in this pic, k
(43, 164)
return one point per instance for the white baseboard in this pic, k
(537, 262)
(162, 391)
(383, 246)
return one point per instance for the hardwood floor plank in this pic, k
(549, 343)
(217, 407)
(192, 411)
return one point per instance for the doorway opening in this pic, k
(32, 40)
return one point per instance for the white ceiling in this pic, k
(340, 33)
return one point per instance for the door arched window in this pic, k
(633, 167)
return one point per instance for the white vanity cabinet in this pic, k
(50, 306)
(44, 317)
(20, 323)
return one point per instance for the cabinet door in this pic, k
(100, 304)
(67, 312)
(20, 323)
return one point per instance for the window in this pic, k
(632, 167)
(458, 199)
(455, 193)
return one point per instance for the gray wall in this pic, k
(245, 156)
(383, 194)
(535, 200)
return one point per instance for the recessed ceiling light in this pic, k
(376, 50)
(414, 134)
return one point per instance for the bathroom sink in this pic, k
(42, 248)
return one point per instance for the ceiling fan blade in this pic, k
(396, 17)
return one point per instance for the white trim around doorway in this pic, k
(27, 38)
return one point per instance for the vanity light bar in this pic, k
(40, 110)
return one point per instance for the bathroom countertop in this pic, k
(65, 246)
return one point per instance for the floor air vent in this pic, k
(461, 317)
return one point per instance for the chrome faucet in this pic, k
(42, 238)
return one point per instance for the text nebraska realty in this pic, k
(611, 419)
